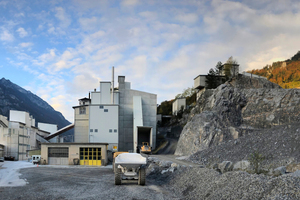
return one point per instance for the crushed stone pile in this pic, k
(187, 182)
(203, 183)
(279, 145)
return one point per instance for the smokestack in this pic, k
(113, 86)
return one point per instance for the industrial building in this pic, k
(67, 153)
(121, 117)
(200, 80)
(18, 135)
(178, 104)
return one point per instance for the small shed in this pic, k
(70, 153)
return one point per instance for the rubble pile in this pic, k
(226, 182)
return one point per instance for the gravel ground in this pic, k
(203, 183)
(46, 182)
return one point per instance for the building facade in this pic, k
(178, 104)
(121, 117)
(19, 134)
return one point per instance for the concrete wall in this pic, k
(104, 124)
(74, 151)
(51, 128)
(199, 81)
(18, 141)
(20, 116)
(177, 104)
(149, 105)
(95, 97)
(105, 97)
(81, 128)
(3, 133)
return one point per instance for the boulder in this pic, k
(165, 164)
(225, 166)
(242, 165)
(279, 171)
(175, 165)
(171, 169)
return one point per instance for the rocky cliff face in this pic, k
(237, 108)
(14, 97)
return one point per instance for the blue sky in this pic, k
(60, 50)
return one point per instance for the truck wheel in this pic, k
(142, 176)
(118, 177)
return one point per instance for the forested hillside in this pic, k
(284, 73)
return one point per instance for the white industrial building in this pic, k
(18, 135)
(121, 117)
(178, 104)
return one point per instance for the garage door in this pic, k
(90, 156)
(58, 156)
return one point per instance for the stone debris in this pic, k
(226, 126)
(279, 171)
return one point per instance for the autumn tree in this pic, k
(230, 63)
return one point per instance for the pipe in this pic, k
(112, 83)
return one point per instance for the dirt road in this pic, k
(46, 182)
(175, 159)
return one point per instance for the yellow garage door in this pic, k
(90, 156)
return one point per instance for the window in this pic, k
(62, 152)
(91, 130)
(101, 107)
(96, 130)
(82, 111)
(115, 130)
(110, 130)
(105, 110)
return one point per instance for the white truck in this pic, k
(130, 166)
(36, 159)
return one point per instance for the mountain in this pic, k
(14, 97)
(284, 73)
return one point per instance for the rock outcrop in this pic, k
(237, 108)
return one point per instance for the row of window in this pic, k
(110, 130)
(82, 110)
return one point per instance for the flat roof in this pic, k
(199, 75)
(73, 143)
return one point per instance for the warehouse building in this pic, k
(74, 153)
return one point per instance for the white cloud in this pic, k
(60, 14)
(88, 23)
(26, 44)
(3, 3)
(130, 2)
(189, 18)
(6, 36)
(19, 15)
(22, 32)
